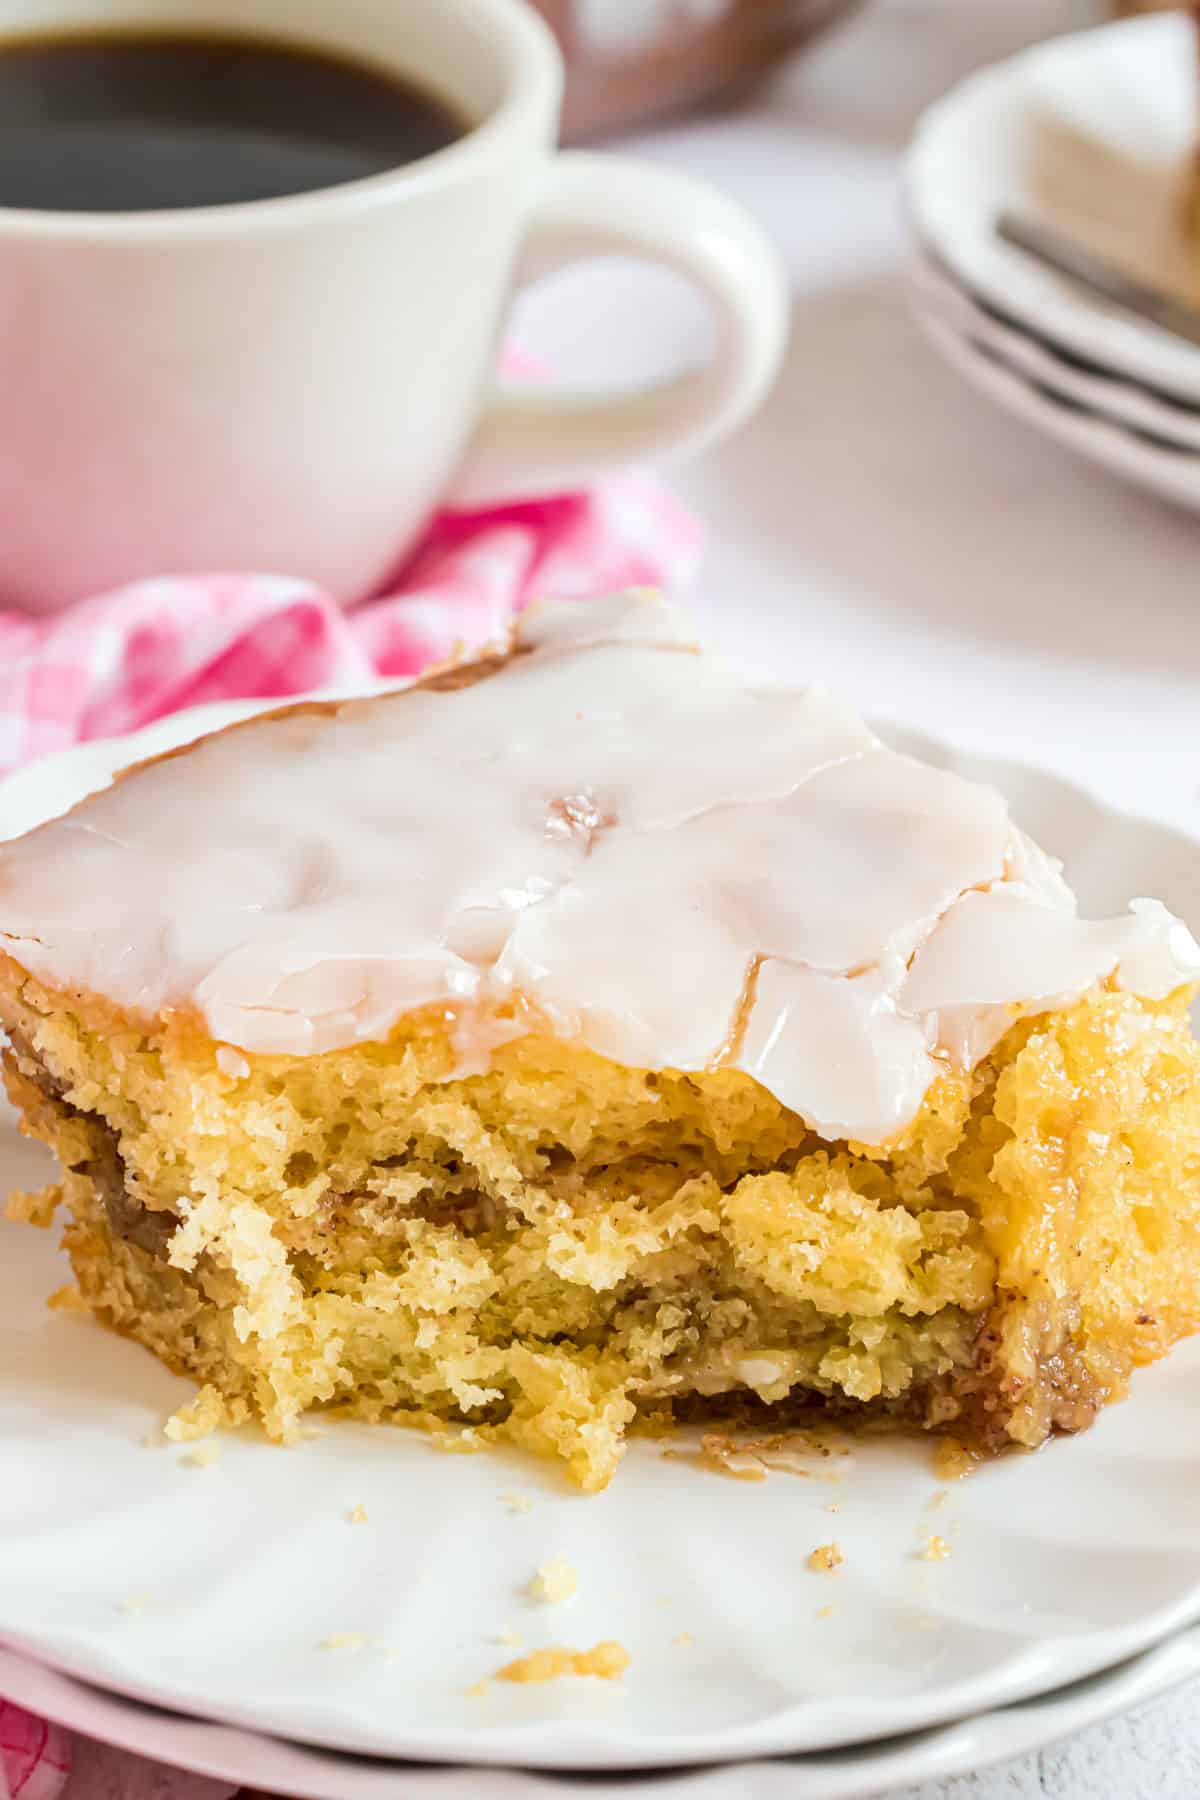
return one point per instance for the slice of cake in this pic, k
(585, 1034)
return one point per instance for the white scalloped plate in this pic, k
(212, 1589)
(1094, 134)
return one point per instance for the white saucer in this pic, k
(1095, 135)
(275, 1766)
(213, 1590)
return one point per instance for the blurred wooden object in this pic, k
(629, 60)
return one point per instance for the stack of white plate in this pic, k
(240, 1617)
(1096, 136)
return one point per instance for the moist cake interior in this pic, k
(553, 1246)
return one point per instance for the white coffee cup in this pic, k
(293, 385)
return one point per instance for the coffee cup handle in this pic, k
(538, 440)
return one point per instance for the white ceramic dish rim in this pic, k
(1019, 287)
(1172, 473)
(1039, 1666)
(1173, 428)
(275, 1765)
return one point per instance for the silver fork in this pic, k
(1100, 276)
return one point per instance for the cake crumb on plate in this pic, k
(204, 1456)
(198, 1419)
(455, 1440)
(554, 1582)
(357, 1515)
(345, 1640)
(517, 1503)
(826, 1557)
(934, 1549)
(68, 1299)
(607, 1660)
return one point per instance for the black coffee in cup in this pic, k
(136, 122)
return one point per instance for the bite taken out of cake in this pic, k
(584, 1036)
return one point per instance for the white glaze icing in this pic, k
(674, 867)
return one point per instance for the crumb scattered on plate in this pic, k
(826, 1557)
(554, 1582)
(68, 1299)
(357, 1515)
(607, 1660)
(826, 1612)
(345, 1640)
(204, 1456)
(511, 1640)
(517, 1503)
(455, 1440)
(198, 1419)
(682, 1638)
(934, 1549)
(134, 1603)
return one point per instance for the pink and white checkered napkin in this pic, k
(34, 1757)
(119, 660)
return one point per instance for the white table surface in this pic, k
(880, 528)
